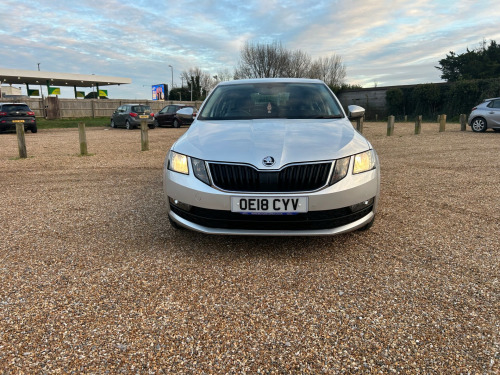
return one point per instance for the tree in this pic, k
(273, 61)
(330, 69)
(200, 82)
(481, 63)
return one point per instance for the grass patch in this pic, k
(90, 122)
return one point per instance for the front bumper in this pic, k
(199, 207)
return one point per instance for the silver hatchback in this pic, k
(272, 157)
(486, 116)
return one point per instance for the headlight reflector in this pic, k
(200, 170)
(340, 170)
(178, 163)
(364, 162)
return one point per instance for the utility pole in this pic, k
(171, 87)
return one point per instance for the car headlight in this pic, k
(178, 162)
(340, 170)
(200, 170)
(364, 162)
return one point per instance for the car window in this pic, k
(172, 109)
(141, 108)
(15, 107)
(270, 100)
(494, 104)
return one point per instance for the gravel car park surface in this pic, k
(93, 279)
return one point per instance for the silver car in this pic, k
(486, 116)
(272, 157)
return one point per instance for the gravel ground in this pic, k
(94, 280)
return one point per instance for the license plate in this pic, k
(269, 205)
(143, 116)
(17, 120)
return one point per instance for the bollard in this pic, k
(442, 123)
(418, 124)
(463, 122)
(144, 136)
(21, 141)
(359, 124)
(390, 126)
(406, 118)
(83, 138)
(376, 117)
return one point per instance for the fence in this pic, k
(54, 107)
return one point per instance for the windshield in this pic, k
(290, 100)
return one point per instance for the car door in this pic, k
(117, 116)
(494, 113)
(160, 116)
(170, 114)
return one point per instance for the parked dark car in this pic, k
(486, 116)
(175, 115)
(131, 115)
(14, 113)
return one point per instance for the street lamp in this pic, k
(172, 69)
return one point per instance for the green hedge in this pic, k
(430, 100)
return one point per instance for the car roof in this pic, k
(490, 99)
(270, 80)
(13, 104)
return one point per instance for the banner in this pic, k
(54, 90)
(103, 93)
(80, 94)
(33, 92)
(159, 91)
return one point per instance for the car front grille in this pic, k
(294, 178)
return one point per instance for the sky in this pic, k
(381, 43)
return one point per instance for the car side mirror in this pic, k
(355, 111)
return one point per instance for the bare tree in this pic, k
(331, 70)
(262, 60)
(273, 60)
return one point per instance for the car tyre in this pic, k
(156, 125)
(34, 129)
(113, 125)
(367, 226)
(128, 125)
(479, 125)
(176, 124)
(174, 224)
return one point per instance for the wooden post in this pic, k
(376, 117)
(21, 141)
(418, 124)
(463, 122)
(144, 136)
(359, 124)
(406, 118)
(390, 126)
(442, 123)
(83, 138)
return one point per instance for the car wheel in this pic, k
(367, 226)
(34, 129)
(156, 124)
(113, 125)
(128, 125)
(176, 124)
(479, 125)
(174, 224)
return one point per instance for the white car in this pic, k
(274, 157)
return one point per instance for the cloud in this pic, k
(388, 42)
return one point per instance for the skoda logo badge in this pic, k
(268, 161)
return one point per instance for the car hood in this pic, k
(286, 140)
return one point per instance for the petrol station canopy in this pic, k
(35, 77)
